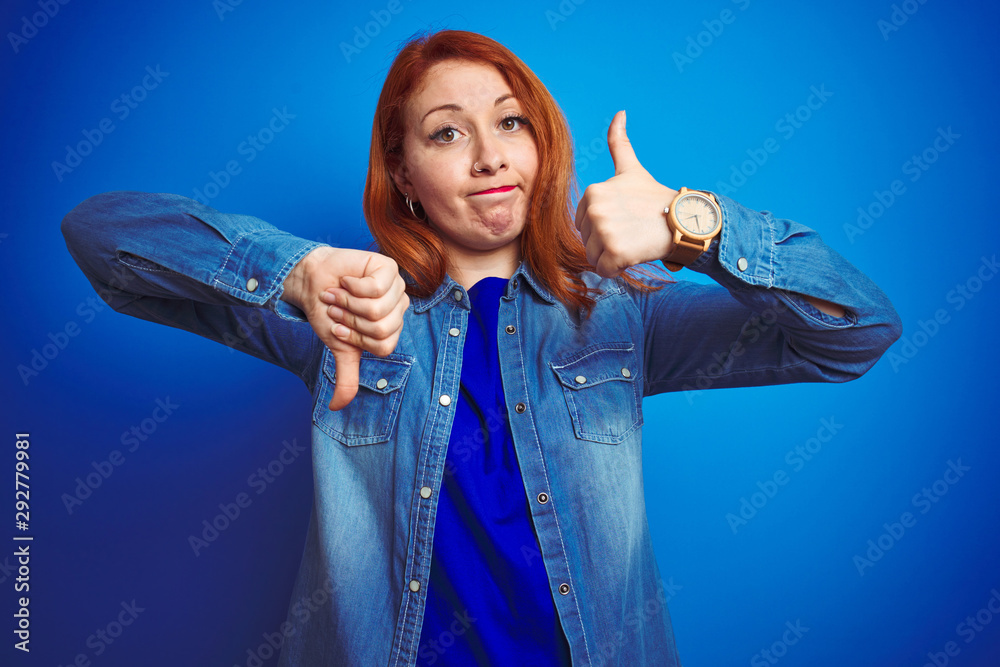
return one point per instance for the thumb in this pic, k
(347, 360)
(620, 146)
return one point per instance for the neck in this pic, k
(467, 269)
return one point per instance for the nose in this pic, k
(489, 155)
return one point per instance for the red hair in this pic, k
(550, 243)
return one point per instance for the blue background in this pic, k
(692, 123)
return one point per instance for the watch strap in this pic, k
(683, 253)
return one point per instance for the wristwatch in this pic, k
(694, 218)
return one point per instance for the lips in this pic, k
(506, 188)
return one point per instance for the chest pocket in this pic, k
(602, 385)
(371, 417)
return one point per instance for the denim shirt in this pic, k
(573, 388)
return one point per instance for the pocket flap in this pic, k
(596, 364)
(382, 375)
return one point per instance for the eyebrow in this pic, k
(455, 107)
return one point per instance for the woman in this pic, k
(478, 389)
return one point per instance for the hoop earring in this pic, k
(409, 203)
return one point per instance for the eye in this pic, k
(446, 134)
(511, 123)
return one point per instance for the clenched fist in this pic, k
(354, 300)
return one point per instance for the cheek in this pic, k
(435, 195)
(528, 159)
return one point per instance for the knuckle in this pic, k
(380, 330)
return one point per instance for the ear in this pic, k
(400, 175)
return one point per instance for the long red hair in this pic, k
(550, 243)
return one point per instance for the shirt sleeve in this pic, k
(754, 327)
(171, 260)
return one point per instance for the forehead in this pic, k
(460, 82)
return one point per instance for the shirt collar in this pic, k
(523, 275)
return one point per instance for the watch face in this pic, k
(697, 214)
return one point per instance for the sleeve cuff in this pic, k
(744, 249)
(256, 266)
(743, 256)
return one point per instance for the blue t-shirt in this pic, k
(488, 602)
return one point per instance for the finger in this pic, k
(606, 267)
(364, 332)
(370, 316)
(378, 279)
(583, 224)
(371, 307)
(582, 219)
(595, 247)
(347, 362)
(380, 337)
(621, 149)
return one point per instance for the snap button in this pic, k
(425, 492)
(742, 264)
(445, 400)
(453, 331)
(382, 384)
(252, 285)
(520, 407)
(543, 498)
(564, 589)
(580, 379)
(415, 585)
(458, 295)
(515, 283)
(510, 329)
(626, 372)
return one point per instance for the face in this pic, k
(469, 157)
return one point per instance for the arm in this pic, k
(797, 311)
(757, 326)
(168, 259)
